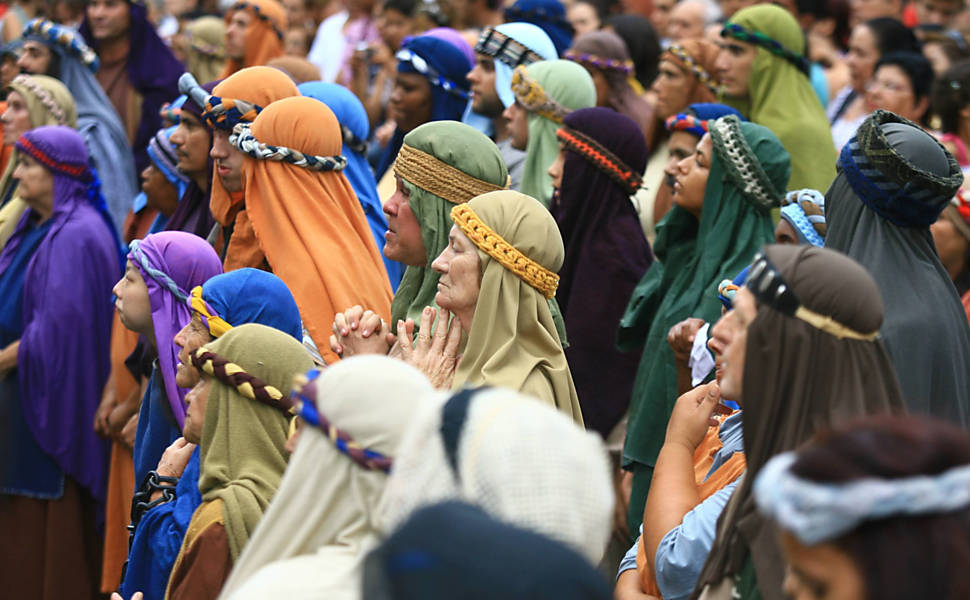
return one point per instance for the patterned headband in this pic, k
(771, 45)
(170, 114)
(220, 113)
(816, 512)
(742, 164)
(135, 253)
(601, 158)
(66, 38)
(242, 138)
(406, 55)
(203, 47)
(806, 209)
(77, 171)
(237, 378)
(439, 178)
(686, 122)
(608, 64)
(510, 257)
(535, 99)
(43, 96)
(512, 52)
(259, 15)
(352, 141)
(306, 408)
(703, 76)
(214, 323)
(163, 155)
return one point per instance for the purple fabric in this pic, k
(187, 260)
(456, 39)
(63, 361)
(606, 255)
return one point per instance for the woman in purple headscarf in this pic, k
(55, 320)
(598, 169)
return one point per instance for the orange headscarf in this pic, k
(261, 86)
(696, 56)
(264, 36)
(309, 223)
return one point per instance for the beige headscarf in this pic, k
(324, 517)
(513, 341)
(205, 40)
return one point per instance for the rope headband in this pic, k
(243, 140)
(203, 47)
(77, 171)
(510, 257)
(306, 408)
(420, 65)
(214, 323)
(535, 99)
(606, 64)
(742, 164)
(770, 288)
(816, 512)
(439, 178)
(237, 378)
(806, 209)
(771, 45)
(137, 256)
(699, 72)
(512, 52)
(43, 96)
(601, 158)
(220, 113)
(352, 141)
(68, 39)
(269, 21)
(686, 122)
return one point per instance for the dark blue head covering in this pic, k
(253, 296)
(694, 119)
(550, 15)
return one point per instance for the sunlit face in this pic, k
(132, 302)
(228, 161)
(410, 104)
(890, 89)
(820, 572)
(108, 19)
(195, 403)
(862, 57)
(236, 34)
(582, 16)
(16, 119)
(36, 58)
(733, 66)
(691, 179)
(485, 100)
(686, 21)
(937, 12)
(191, 141)
(189, 339)
(161, 193)
(950, 243)
(785, 233)
(731, 331)
(671, 87)
(461, 276)
(393, 26)
(680, 145)
(402, 240)
(555, 170)
(36, 184)
(518, 119)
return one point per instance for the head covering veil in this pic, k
(550, 15)
(532, 37)
(264, 35)
(206, 51)
(251, 296)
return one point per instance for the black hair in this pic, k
(918, 70)
(951, 92)
(892, 36)
(407, 8)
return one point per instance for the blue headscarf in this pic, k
(810, 228)
(356, 130)
(550, 15)
(253, 296)
(162, 155)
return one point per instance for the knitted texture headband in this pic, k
(806, 209)
(65, 38)
(759, 39)
(77, 171)
(242, 138)
(606, 64)
(888, 182)
(601, 158)
(496, 44)
(306, 408)
(237, 378)
(439, 178)
(686, 122)
(535, 99)
(742, 164)
(139, 257)
(42, 95)
(259, 15)
(703, 76)
(210, 318)
(510, 257)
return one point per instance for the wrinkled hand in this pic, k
(128, 432)
(358, 331)
(681, 338)
(101, 425)
(693, 414)
(175, 457)
(436, 353)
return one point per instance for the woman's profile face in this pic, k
(411, 101)
(820, 572)
(733, 329)
(461, 276)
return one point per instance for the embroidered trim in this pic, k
(439, 178)
(142, 261)
(55, 109)
(66, 38)
(210, 318)
(512, 52)
(71, 170)
(535, 99)
(437, 79)
(609, 64)
(601, 158)
(259, 15)
(742, 164)
(242, 138)
(771, 45)
(237, 378)
(510, 257)
(703, 76)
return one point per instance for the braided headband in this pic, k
(601, 158)
(136, 254)
(439, 178)
(220, 113)
(535, 99)
(306, 408)
(512, 52)
(352, 141)
(700, 74)
(237, 378)
(686, 122)
(608, 64)
(259, 15)
(242, 138)
(436, 79)
(727, 289)
(66, 38)
(769, 287)
(43, 96)
(742, 164)
(771, 45)
(210, 318)
(510, 257)
(806, 209)
(203, 47)
(817, 512)
(170, 114)
(76, 171)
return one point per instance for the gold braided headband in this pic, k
(234, 376)
(216, 325)
(505, 253)
(439, 178)
(831, 326)
(535, 99)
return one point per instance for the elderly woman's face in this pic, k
(891, 89)
(671, 86)
(196, 401)
(461, 276)
(731, 335)
(189, 339)
(822, 571)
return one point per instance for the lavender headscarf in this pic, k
(172, 263)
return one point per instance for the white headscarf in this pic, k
(323, 519)
(522, 461)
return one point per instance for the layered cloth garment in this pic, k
(513, 341)
(97, 122)
(606, 255)
(305, 216)
(518, 460)
(549, 15)
(324, 518)
(748, 175)
(780, 94)
(441, 164)
(205, 49)
(55, 278)
(548, 90)
(511, 45)
(193, 214)
(789, 343)
(264, 35)
(223, 302)
(242, 450)
(355, 129)
(893, 183)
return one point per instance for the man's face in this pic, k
(485, 99)
(228, 161)
(36, 58)
(686, 21)
(108, 19)
(518, 119)
(733, 66)
(236, 34)
(191, 141)
(937, 12)
(680, 145)
(402, 240)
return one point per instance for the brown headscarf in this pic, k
(798, 379)
(264, 36)
(299, 69)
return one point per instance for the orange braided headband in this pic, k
(601, 158)
(439, 178)
(505, 253)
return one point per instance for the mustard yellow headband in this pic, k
(215, 324)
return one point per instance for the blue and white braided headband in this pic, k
(817, 512)
(134, 250)
(421, 66)
(242, 138)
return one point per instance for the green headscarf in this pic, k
(748, 176)
(461, 147)
(565, 83)
(243, 451)
(781, 98)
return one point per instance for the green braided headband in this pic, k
(759, 39)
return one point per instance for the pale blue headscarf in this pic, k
(532, 37)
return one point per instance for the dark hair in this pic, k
(892, 36)
(405, 7)
(837, 10)
(924, 556)
(918, 70)
(951, 92)
(642, 42)
(952, 43)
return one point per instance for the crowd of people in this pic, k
(470, 299)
